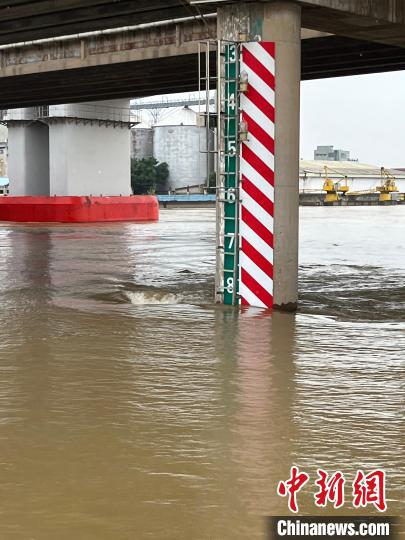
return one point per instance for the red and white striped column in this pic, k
(257, 170)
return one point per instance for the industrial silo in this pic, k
(183, 147)
(141, 142)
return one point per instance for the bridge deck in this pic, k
(321, 58)
(163, 59)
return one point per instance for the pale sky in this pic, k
(364, 114)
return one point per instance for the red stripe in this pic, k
(269, 46)
(257, 226)
(261, 71)
(257, 195)
(258, 132)
(256, 288)
(261, 103)
(257, 258)
(253, 160)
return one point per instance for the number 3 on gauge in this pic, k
(232, 53)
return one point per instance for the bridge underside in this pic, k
(27, 20)
(323, 57)
(24, 20)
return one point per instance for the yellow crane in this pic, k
(388, 186)
(333, 189)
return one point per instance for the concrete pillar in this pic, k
(282, 24)
(75, 149)
(28, 160)
(279, 21)
(89, 157)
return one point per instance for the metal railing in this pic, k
(77, 111)
(141, 105)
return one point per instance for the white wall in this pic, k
(69, 157)
(3, 133)
(28, 160)
(89, 159)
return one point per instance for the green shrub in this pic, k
(148, 176)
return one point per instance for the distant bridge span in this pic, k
(23, 20)
(159, 53)
(148, 62)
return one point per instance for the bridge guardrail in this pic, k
(77, 111)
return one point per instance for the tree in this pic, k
(148, 175)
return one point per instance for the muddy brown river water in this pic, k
(132, 407)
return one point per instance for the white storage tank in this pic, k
(141, 142)
(179, 142)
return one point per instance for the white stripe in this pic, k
(256, 147)
(257, 179)
(260, 150)
(252, 311)
(254, 240)
(259, 85)
(258, 116)
(250, 297)
(256, 210)
(260, 53)
(257, 273)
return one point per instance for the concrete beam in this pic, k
(105, 49)
(152, 61)
(28, 20)
(372, 20)
(381, 21)
(321, 57)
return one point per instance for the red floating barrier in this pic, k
(81, 209)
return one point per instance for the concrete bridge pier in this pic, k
(280, 22)
(71, 163)
(89, 148)
(70, 150)
(28, 162)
